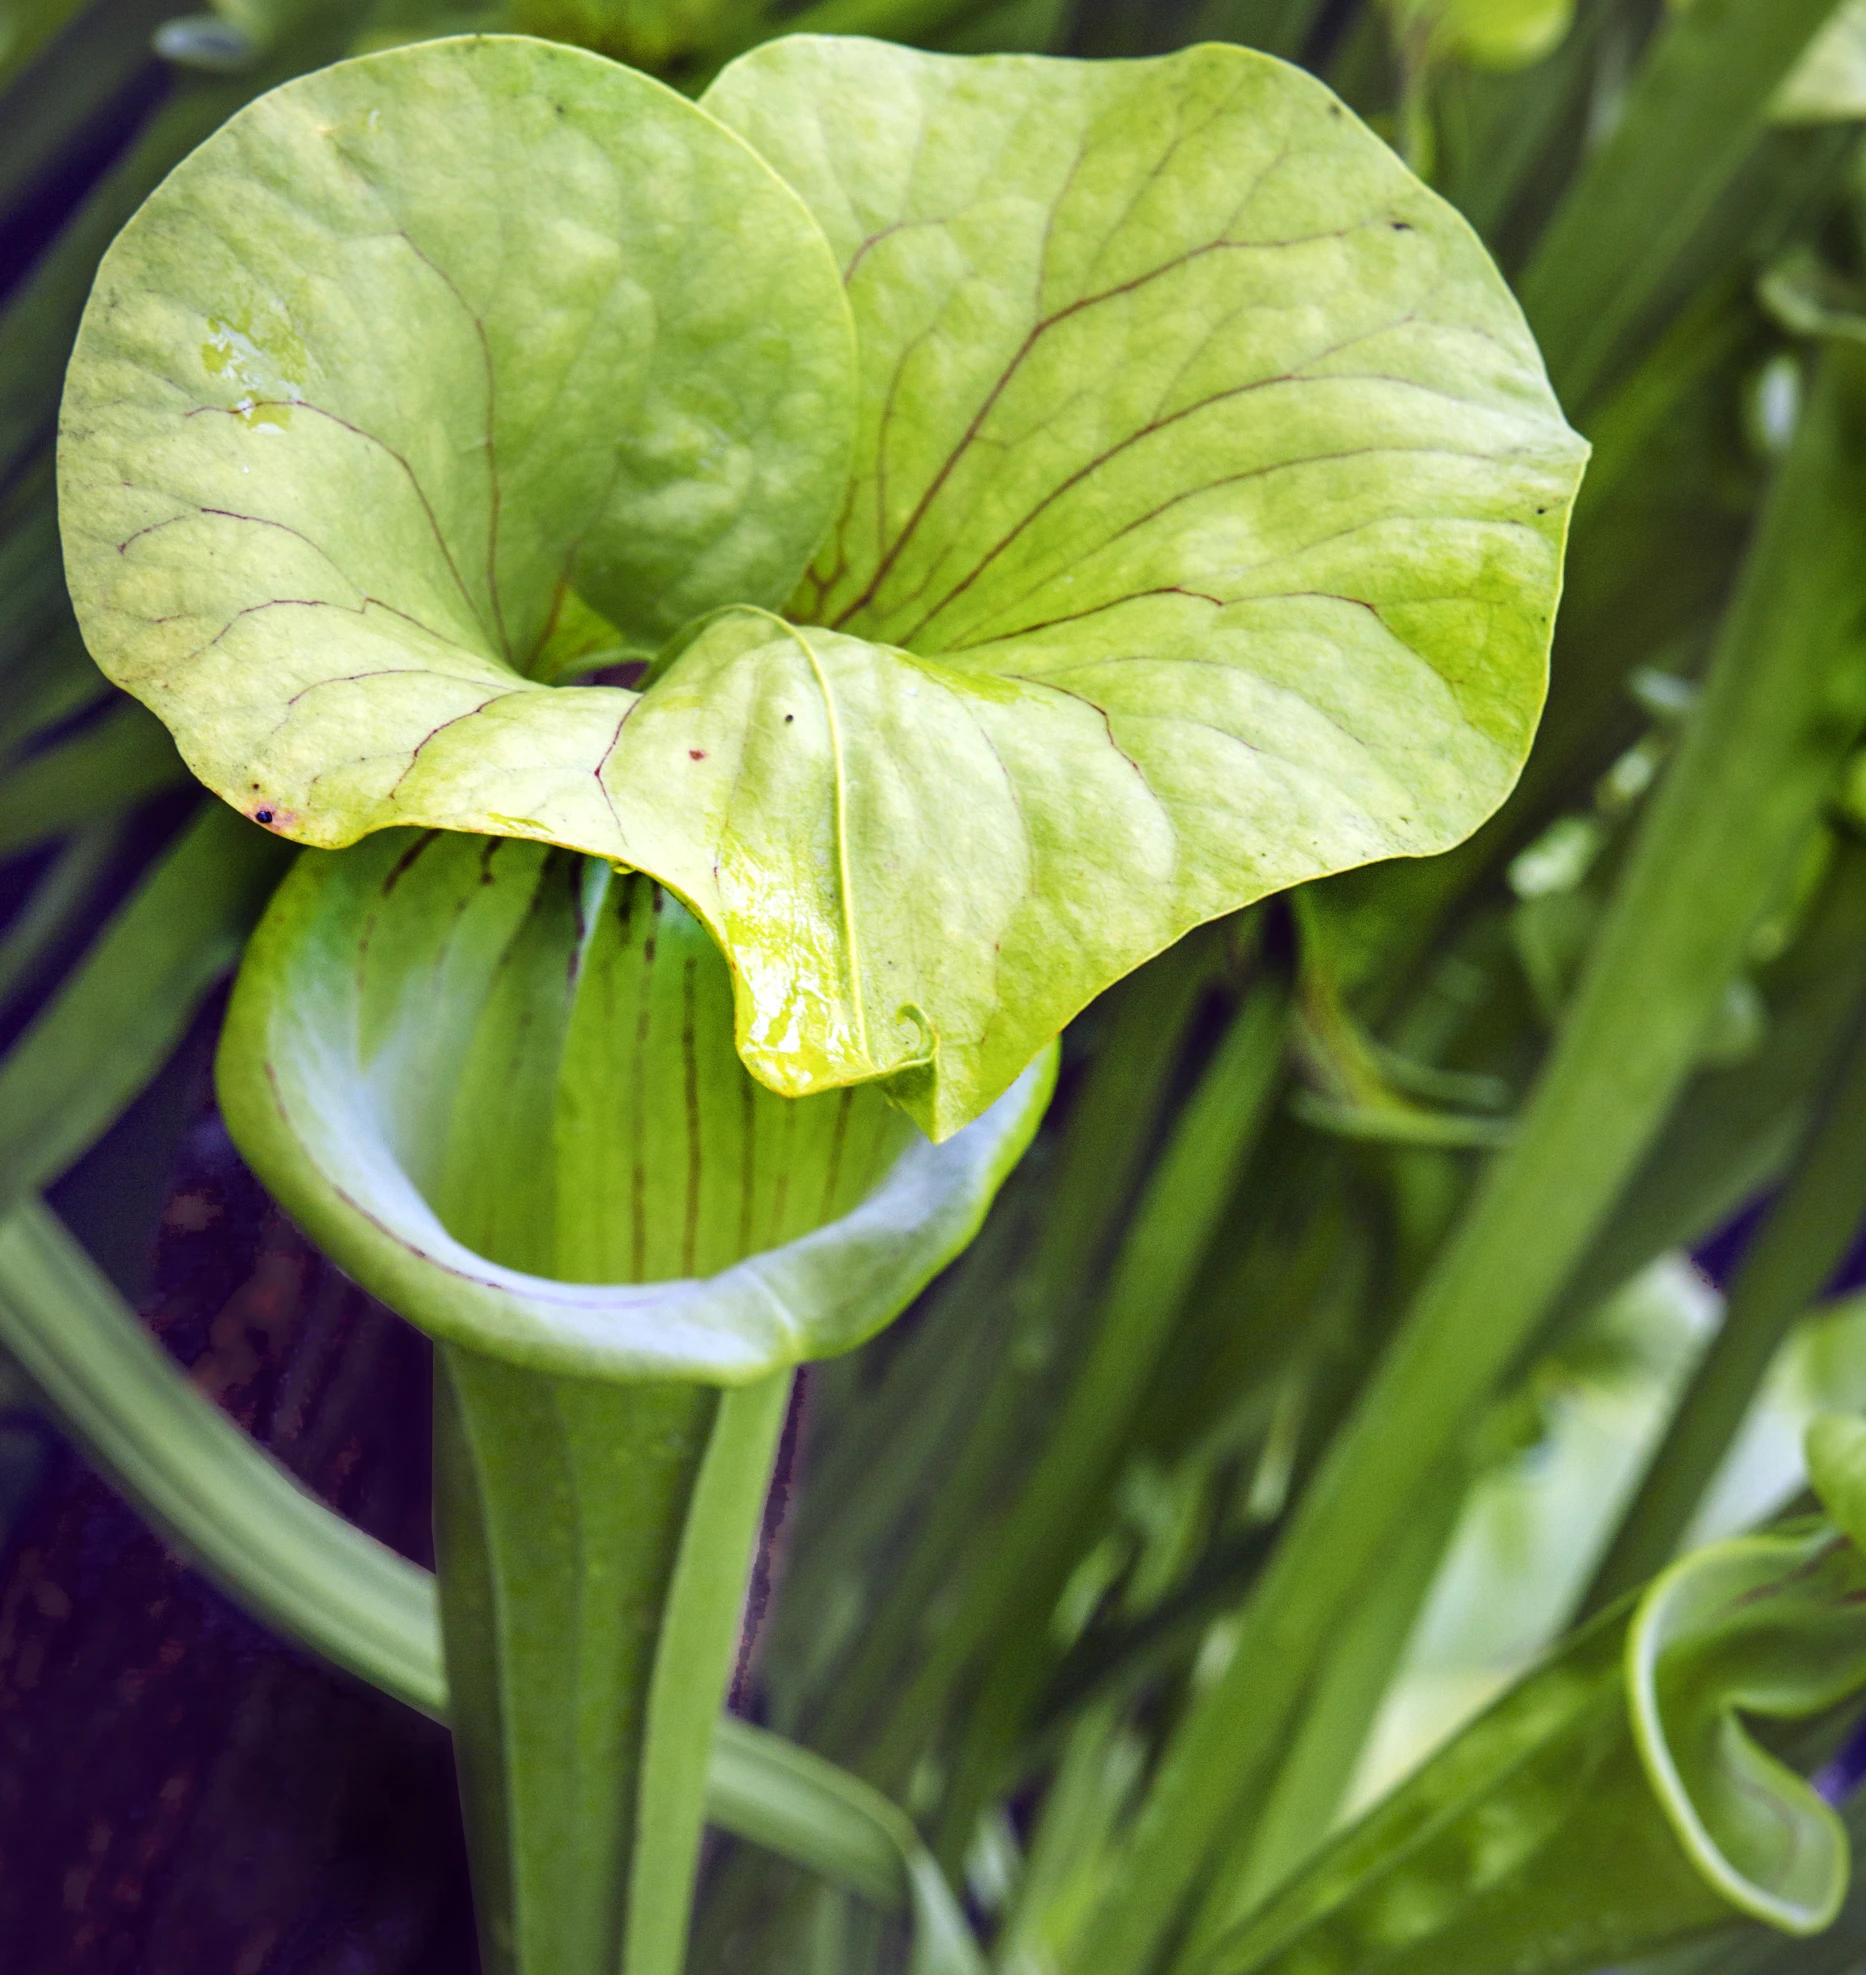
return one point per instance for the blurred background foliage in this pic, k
(1014, 1534)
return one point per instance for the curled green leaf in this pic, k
(497, 1083)
(1203, 531)
(1807, 297)
(1613, 1801)
(1773, 1627)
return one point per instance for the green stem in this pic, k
(1799, 1246)
(301, 1568)
(1696, 112)
(1325, 1750)
(1029, 1326)
(693, 1664)
(1009, 1604)
(594, 1542)
(1782, 704)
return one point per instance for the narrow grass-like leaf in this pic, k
(1010, 1600)
(108, 766)
(276, 1550)
(1696, 112)
(1800, 1244)
(126, 1005)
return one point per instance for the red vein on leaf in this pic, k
(492, 456)
(370, 438)
(1035, 335)
(1152, 428)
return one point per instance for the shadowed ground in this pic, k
(179, 1794)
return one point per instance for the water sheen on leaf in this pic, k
(1203, 534)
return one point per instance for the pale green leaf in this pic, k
(1207, 458)
(1204, 532)
(424, 376)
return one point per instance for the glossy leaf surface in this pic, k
(1613, 1800)
(497, 1083)
(1203, 532)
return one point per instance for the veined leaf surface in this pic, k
(1208, 492)
(1203, 533)
(427, 379)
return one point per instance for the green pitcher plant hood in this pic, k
(956, 522)
(497, 1083)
